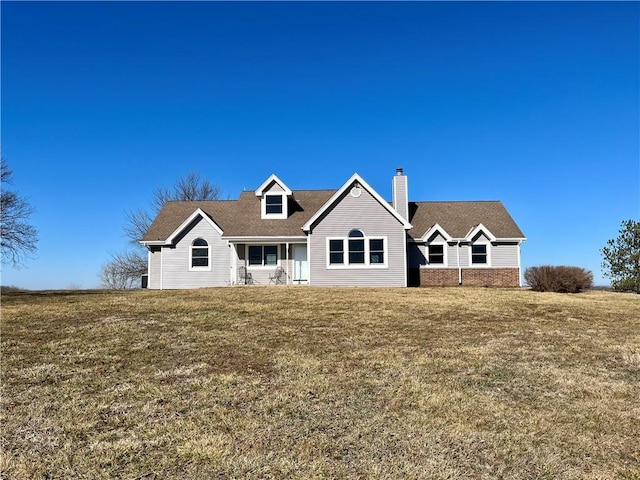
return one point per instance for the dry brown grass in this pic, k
(295, 382)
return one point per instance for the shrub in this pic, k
(563, 279)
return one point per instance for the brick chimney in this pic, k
(401, 194)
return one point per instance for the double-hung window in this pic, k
(273, 204)
(376, 250)
(356, 250)
(263, 255)
(436, 254)
(199, 253)
(336, 251)
(479, 254)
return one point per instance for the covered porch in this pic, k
(269, 261)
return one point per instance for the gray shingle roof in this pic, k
(241, 218)
(458, 218)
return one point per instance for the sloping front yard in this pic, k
(299, 382)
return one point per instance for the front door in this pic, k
(300, 267)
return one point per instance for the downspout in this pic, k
(286, 256)
(519, 266)
(459, 267)
(161, 268)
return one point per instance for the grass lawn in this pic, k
(296, 382)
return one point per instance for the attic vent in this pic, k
(356, 191)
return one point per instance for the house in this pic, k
(350, 237)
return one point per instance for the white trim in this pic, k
(269, 181)
(480, 228)
(519, 267)
(309, 260)
(279, 216)
(185, 224)
(161, 268)
(263, 239)
(436, 228)
(199, 268)
(458, 260)
(479, 265)
(263, 266)
(445, 255)
(355, 178)
(367, 252)
(406, 261)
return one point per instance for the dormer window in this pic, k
(273, 204)
(274, 198)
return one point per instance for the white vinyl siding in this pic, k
(367, 215)
(154, 267)
(504, 255)
(176, 260)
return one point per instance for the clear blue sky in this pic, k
(535, 104)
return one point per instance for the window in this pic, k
(273, 204)
(336, 251)
(376, 250)
(200, 254)
(478, 254)
(436, 254)
(262, 255)
(356, 246)
(360, 251)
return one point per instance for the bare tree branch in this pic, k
(18, 238)
(191, 187)
(124, 271)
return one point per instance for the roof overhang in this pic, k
(197, 213)
(355, 178)
(266, 239)
(273, 178)
(480, 228)
(436, 228)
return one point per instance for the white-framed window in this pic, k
(200, 255)
(479, 254)
(356, 250)
(274, 205)
(436, 254)
(262, 255)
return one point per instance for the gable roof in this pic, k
(267, 183)
(241, 217)
(355, 178)
(459, 219)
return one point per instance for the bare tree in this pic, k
(124, 271)
(18, 238)
(126, 267)
(191, 187)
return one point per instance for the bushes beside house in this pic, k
(563, 279)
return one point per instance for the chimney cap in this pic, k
(399, 171)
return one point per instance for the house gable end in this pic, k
(198, 213)
(355, 184)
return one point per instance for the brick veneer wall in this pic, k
(476, 277)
